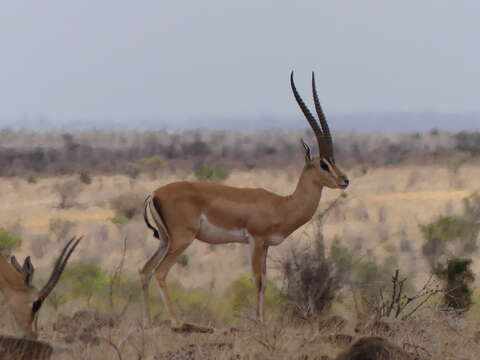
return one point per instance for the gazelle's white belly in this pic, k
(214, 234)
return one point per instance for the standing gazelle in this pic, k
(219, 214)
(24, 301)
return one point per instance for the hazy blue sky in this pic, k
(188, 61)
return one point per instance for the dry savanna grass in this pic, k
(378, 218)
(428, 335)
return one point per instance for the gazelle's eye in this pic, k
(324, 165)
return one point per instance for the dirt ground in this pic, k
(379, 215)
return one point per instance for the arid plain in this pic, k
(378, 217)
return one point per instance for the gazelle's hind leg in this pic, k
(146, 274)
(160, 232)
(179, 242)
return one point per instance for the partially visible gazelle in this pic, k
(219, 214)
(23, 300)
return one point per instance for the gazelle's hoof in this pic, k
(192, 328)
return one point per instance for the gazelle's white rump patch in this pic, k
(157, 218)
(214, 234)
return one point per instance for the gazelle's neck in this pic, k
(302, 204)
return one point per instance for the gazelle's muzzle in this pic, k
(343, 182)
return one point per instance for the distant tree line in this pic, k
(23, 152)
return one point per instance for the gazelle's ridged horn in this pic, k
(327, 136)
(322, 145)
(58, 268)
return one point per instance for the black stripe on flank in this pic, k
(145, 217)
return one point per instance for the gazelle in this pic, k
(219, 214)
(23, 300)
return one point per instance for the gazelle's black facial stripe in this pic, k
(37, 304)
(324, 165)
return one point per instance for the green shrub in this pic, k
(342, 257)
(67, 191)
(122, 292)
(458, 277)
(85, 178)
(127, 289)
(61, 227)
(474, 311)
(455, 230)
(241, 296)
(85, 281)
(361, 272)
(9, 241)
(468, 142)
(31, 179)
(207, 172)
(119, 219)
(127, 206)
(132, 170)
(451, 228)
(183, 260)
(97, 287)
(197, 304)
(370, 276)
(152, 164)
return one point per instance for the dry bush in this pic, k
(413, 179)
(360, 212)
(83, 326)
(396, 302)
(310, 281)
(136, 233)
(127, 206)
(68, 192)
(61, 227)
(39, 245)
(99, 233)
(374, 348)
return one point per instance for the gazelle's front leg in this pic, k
(259, 267)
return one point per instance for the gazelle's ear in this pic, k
(26, 270)
(16, 264)
(308, 152)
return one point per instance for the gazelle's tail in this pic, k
(149, 207)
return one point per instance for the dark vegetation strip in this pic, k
(23, 153)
